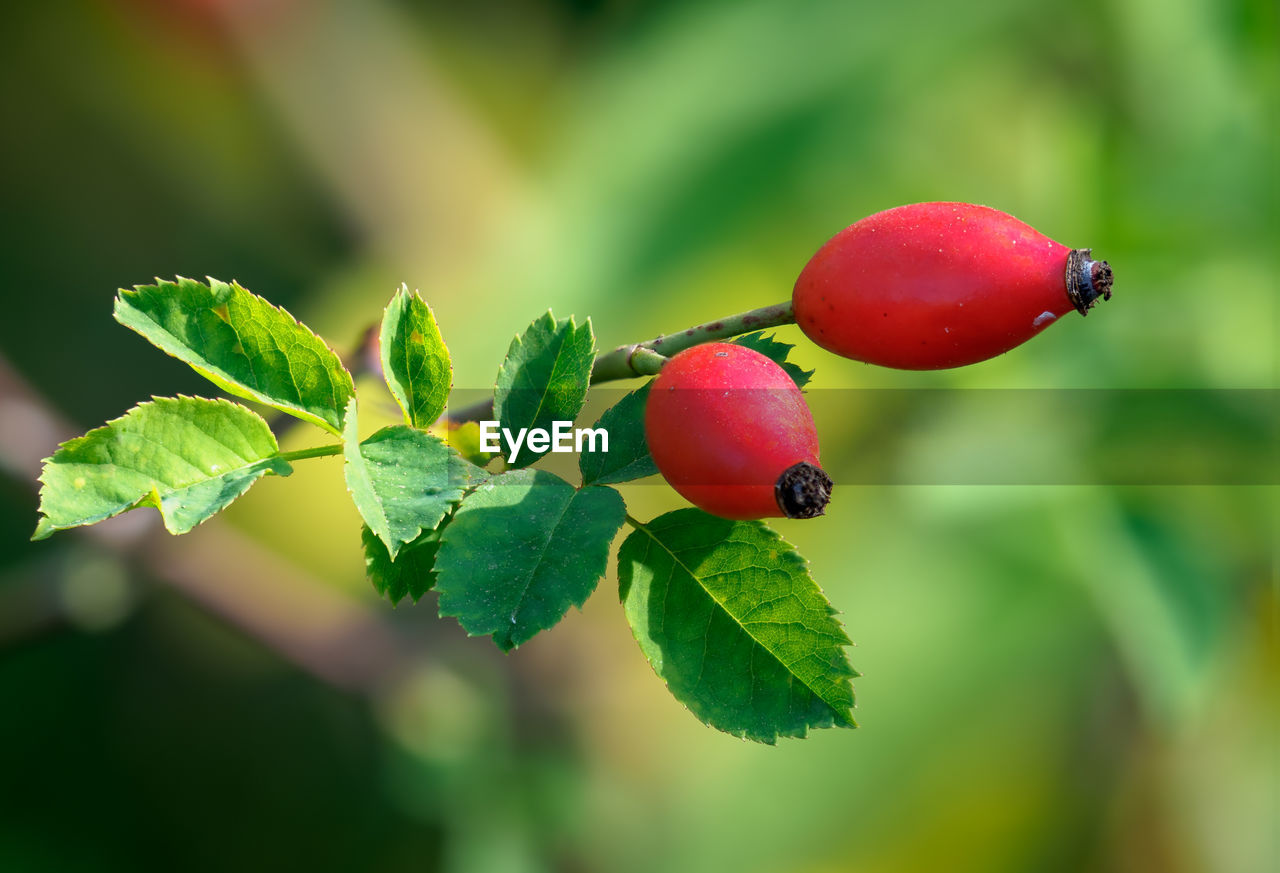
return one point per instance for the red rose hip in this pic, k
(731, 432)
(935, 285)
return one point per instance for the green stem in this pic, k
(620, 363)
(647, 362)
(647, 358)
(317, 452)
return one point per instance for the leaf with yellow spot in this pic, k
(415, 361)
(187, 456)
(242, 344)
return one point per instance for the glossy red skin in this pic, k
(932, 285)
(723, 422)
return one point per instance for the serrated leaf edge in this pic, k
(616, 477)
(227, 384)
(351, 420)
(384, 353)
(577, 604)
(839, 718)
(798, 374)
(44, 529)
(517, 342)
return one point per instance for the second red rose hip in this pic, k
(731, 432)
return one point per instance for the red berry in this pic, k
(729, 429)
(935, 285)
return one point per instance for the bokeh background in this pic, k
(1075, 672)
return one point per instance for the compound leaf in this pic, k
(403, 480)
(728, 616)
(187, 456)
(242, 344)
(521, 549)
(543, 379)
(415, 361)
(777, 352)
(411, 573)
(628, 456)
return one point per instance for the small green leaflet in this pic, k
(521, 549)
(777, 352)
(415, 362)
(628, 456)
(410, 573)
(403, 480)
(242, 344)
(544, 378)
(728, 616)
(186, 456)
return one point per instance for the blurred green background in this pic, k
(1074, 677)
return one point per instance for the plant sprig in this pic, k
(726, 612)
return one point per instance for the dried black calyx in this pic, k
(1087, 280)
(803, 490)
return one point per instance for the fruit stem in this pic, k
(617, 364)
(317, 452)
(1087, 280)
(646, 362)
(646, 358)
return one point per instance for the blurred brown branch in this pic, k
(305, 621)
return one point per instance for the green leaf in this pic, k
(543, 379)
(411, 573)
(728, 616)
(628, 456)
(521, 549)
(242, 344)
(415, 362)
(186, 456)
(403, 480)
(777, 352)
